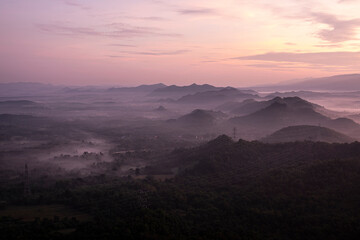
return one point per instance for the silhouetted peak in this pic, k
(292, 102)
(160, 108)
(344, 120)
(307, 133)
(154, 85)
(221, 140)
(198, 111)
(276, 99)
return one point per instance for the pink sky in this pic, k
(227, 42)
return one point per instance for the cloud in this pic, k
(121, 45)
(115, 56)
(75, 4)
(198, 11)
(271, 65)
(336, 29)
(346, 1)
(209, 61)
(158, 53)
(114, 30)
(152, 18)
(340, 30)
(319, 59)
(276, 67)
(328, 45)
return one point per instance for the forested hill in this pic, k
(252, 158)
(307, 133)
(224, 190)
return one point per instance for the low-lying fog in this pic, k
(122, 131)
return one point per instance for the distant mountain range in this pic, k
(17, 103)
(222, 95)
(20, 106)
(348, 82)
(141, 88)
(307, 133)
(175, 92)
(26, 89)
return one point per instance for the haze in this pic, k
(179, 120)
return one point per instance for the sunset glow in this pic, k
(229, 42)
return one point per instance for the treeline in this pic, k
(225, 190)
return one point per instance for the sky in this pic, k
(227, 42)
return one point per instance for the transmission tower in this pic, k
(234, 133)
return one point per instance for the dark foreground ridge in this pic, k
(223, 190)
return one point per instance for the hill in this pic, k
(284, 112)
(249, 106)
(218, 96)
(302, 94)
(160, 109)
(27, 89)
(223, 190)
(343, 125)
(281, 112)
(174, 91)
(17, 103)
(141, 88)
(225, 158)
(19, 106)
(199, 118)
(307, 133)
(348, 82)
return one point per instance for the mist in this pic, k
(155, 135)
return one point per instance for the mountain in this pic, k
(141, 88)
(248, 91)
(279, 112)
(174, 91)
(222, 95)
(343, 125)
(236, 160)
(355, 117)
(249, 106)
(160, 109)
(27, 89)
(348, 82)
(18, 103)
(284, 112)
(307, 133)
(200, 118)
(302, 94)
